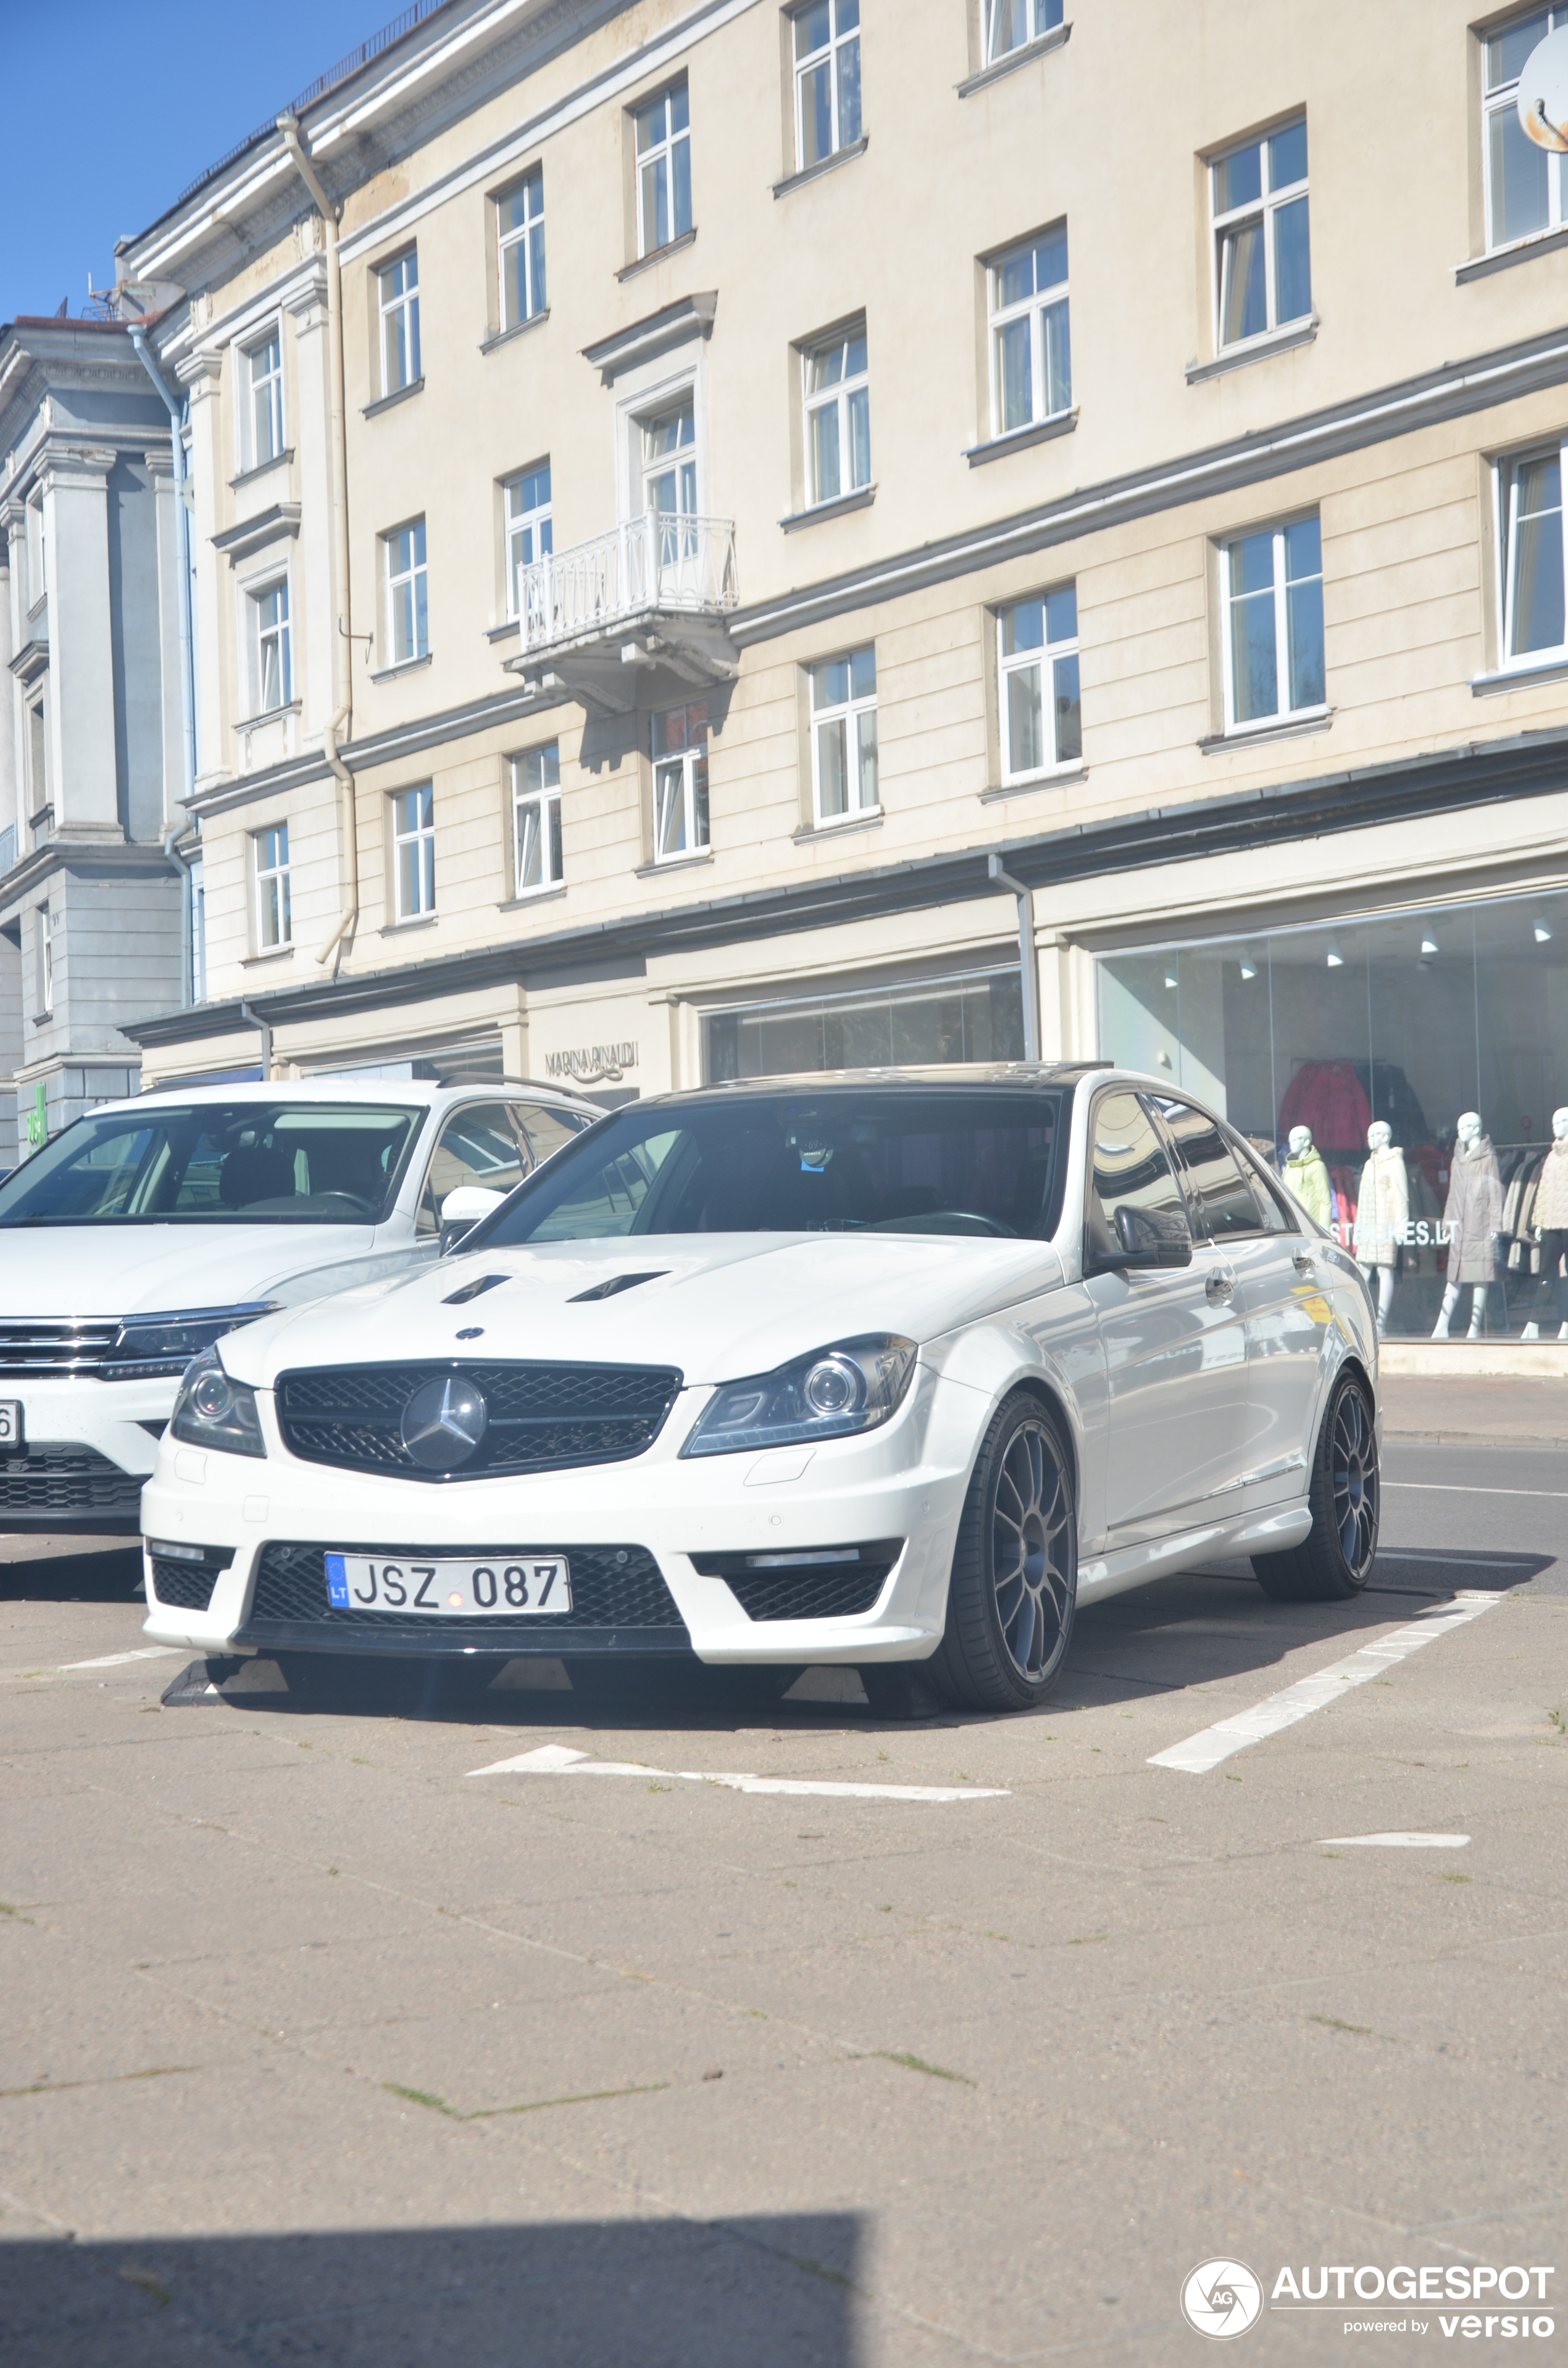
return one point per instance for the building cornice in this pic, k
(89, 860)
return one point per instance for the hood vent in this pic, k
(616, 1282)
(475, 1290)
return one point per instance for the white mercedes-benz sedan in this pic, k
(872, 1369)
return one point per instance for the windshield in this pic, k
(940, 1161)
(218, 1164)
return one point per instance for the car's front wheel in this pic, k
(1015, 1579)
(1335, 1559)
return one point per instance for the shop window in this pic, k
(844, 738)
(1031, 350)
(1273, 593)
(535, 819)
(1524, 184)
(977, 1017)
(1533, 555)
(1036, 647)
(1263, 276)
(680, 781)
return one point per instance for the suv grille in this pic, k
(619, 1587)
(541, 1418)
(67, 1480)
(58, 1345)
(768, 1587)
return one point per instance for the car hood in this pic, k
(721, 1305)
(87, 1271)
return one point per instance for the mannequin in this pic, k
(1307, 1176)
(1551, 1219)
(1382, 1212)
(1474, 1217)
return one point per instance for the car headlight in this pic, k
(214, 1410)
(149, 1345)
(834, 1392)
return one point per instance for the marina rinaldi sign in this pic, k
(591, 1064)
(1223, 2299)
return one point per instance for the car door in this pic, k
(1283, 1309)
(1174, 1348)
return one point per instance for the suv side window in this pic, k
(1129, 1167)
(546, 1129)
(1278, 1215)
(1224, 1202)
(480, 1144)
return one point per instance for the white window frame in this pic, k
(672, 152)
(843, 36)
(1039, 18)
(1502, 100)
(397, 296)
(1038, 308)
(844, 719)
(1281, 714)
(529, 530)
(848, 397)
(278, 631)
(38, 559)
(1261, 209)
(680, 796)
(45, 960)
(535, 819)
(1052, 652)
(1506, 483)
(274, 903)
(407, 588)
(262, 402)
(413, 835)
(524, 240)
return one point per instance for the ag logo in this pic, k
(1221, 2299)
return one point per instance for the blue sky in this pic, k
(116, 104)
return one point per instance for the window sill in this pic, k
(673, 863)
(388, 402)
(273, 955)
(1255, 350)
(1018, 441)
(503, 632)
(1057, 38)
(1518, 250)
(1061, 778)
(269, 715)
(404, 665)
(657, 254)
(1519, 677)
(860, 499)
(868, 818)
(526, 896)
(518, 329)
(1282, 727)
(246, 476)
(415, 921)
(823, 165)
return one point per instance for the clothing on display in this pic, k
(1329, 1098)
(1382, 1208)
(1473, 1212)
(1307, 1176)
(1549, 1210)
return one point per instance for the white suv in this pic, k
(151, 1227)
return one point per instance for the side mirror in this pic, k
(1151, 1237)
(462, 1210)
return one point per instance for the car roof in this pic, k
(420, 1092)
(952, 1073)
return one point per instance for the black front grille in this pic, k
(541, 1418)
(66, 1480)
(613, 1587)
(767, 1587)
(54, 1345)
(186, 1586)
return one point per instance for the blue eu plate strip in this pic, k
(337, 1581)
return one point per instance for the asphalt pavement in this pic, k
(551, 2033)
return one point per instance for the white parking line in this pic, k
(1397, 1841)
(1203, 1751)
(556, 1759)
(1452, 1488)
(115, 1661)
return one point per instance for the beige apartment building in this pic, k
(680, 491)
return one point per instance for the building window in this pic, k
(274, 917)
(1031, 350)
(844, 737)
(274, 659)
(668, 442)
(536, 818)
(663, 169)
(38, 567)
(45, 936)
(408, 623)
(1010, 23)
(519, 224)
(263, 368)
(838, 415)
(1262, 253)
(680, 781)
(399, 290)
(1037, 644)
(1533, 618)
(38, 759)
(1524, 183)
(413, 852)
(1273, 603)
(827, 79)
(528, 531)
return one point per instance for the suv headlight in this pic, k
(214, 1410)
(149, 1345)
(834, 1392)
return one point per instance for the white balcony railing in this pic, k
(648, 566)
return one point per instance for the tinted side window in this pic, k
(478, 1145)
(1129, 1167)
(1223, 1202)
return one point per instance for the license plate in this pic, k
(10, 1422)
(450, 1589)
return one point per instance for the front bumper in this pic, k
(87, 1447)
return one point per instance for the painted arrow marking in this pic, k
(556, 1759)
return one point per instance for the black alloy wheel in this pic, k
(1015, 1579)
(1335, 1559)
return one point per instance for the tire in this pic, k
(1335, 1559)
(1015, 1579)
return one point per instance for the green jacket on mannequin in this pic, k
(1308, 1180)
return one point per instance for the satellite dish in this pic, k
(1543, 93)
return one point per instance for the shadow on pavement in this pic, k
(69, 1570)
(772, 2293)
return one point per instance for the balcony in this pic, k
(653, 592)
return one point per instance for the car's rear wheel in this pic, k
(1335, 1559)
(1015, 1579)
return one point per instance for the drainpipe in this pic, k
(187, 653)
(1029, 961)
(343, 647)
(265, 1032)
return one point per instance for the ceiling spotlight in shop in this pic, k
(1248, 967)
(1542, 933)
(1428, 942)
(1171, 980)
(1335, 958)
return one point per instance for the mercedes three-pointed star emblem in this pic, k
(444, 1422)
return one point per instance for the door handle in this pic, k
(1304, 1262)
(1219, 1286)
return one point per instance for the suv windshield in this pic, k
(944, 1160)
(219, 1164)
